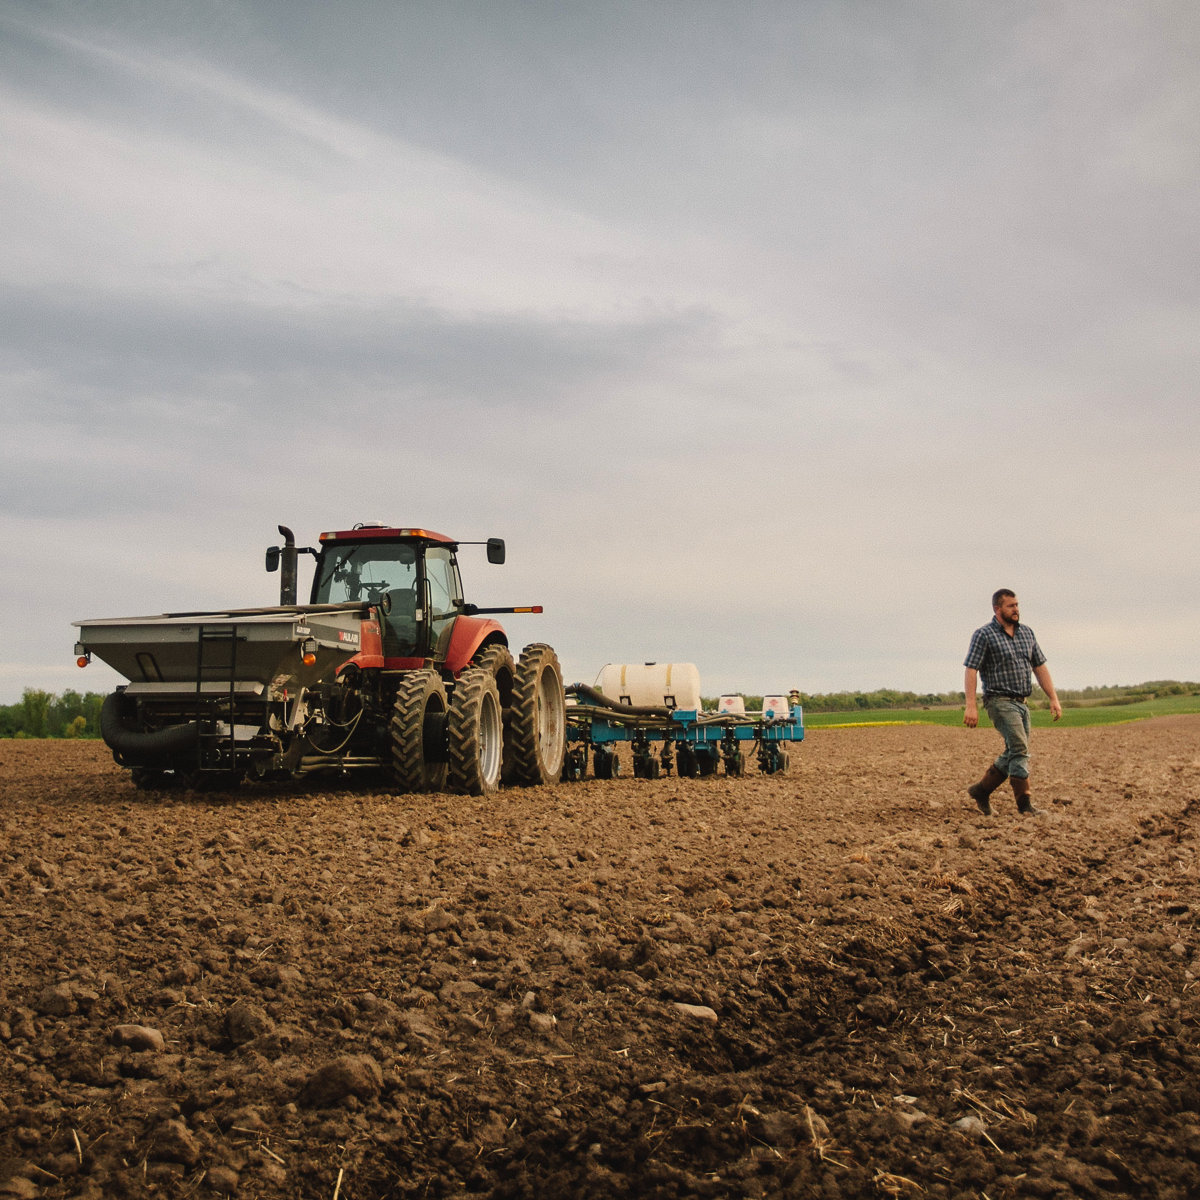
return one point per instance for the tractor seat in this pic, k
(400, 628)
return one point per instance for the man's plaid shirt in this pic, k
(1004, 662)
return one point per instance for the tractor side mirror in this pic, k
(495, 550)
(272, 558)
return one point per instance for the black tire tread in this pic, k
(412, 769)
(498, 659)
(529, 766)
(464, 743)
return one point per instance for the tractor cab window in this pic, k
(445, 595)
(364, 572)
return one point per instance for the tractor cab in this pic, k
(411, 574)
(410, 578)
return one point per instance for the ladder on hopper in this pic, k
(216, 657)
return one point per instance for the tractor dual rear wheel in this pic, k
(536, 734)
(475, 733)
(498, 661)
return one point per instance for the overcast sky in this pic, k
(773, 337)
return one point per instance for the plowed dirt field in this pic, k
(839, 982)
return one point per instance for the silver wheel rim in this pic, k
(491, 737)
(551, 717)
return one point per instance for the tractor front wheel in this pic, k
(418, 733)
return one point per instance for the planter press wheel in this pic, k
(537, 727)
(475, 734)
(778, 762)
(648, 767)
(574, 765)
(687, 763)
(418, 731)
(605, 763)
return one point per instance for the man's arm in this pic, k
(971, 716)
(1047, 685)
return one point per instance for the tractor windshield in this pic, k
(366, 571)
(363, 571)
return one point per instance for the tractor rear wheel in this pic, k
(475, 733)
(537, 728)
(498, 660)
(418, 731)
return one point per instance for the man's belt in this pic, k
(1006, 696)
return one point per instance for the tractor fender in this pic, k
(136, 745)
(469, 634)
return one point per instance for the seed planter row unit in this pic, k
(693, 744)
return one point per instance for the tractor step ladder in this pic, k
(216, 655)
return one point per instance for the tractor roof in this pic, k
(386, 533)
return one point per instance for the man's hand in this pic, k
(970, 681)
(1042, 674)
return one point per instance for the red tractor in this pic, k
(387, 667)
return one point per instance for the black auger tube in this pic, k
(136, 746)
(600, 700)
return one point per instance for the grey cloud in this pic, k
(147, 394)
(106, 345)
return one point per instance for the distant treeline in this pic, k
(41, 714)
(1135, 691)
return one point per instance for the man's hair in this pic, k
(997, 596)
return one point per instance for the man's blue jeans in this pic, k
(1011, 719)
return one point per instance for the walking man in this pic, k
(1004, 652)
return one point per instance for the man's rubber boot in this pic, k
(1020, 787)
(979, 792)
